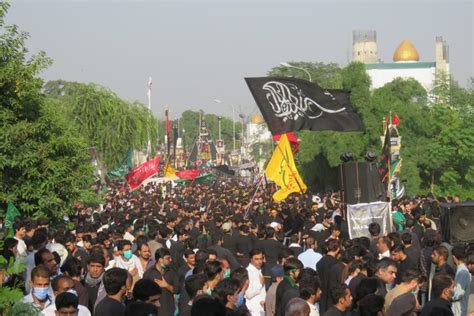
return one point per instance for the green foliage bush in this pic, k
(437, 132)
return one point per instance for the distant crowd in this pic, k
(224, 249)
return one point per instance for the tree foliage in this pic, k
(190, 123)
(43, 162)
(109, 124)
(437, 133)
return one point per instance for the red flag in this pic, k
(395, 120)
(190, 174)
(142, 172)
(292, 138)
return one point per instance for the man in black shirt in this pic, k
(117, 282)
(405, 263)
(166, 278)
(223, 253)
(322, 231)
(193, 287)
(147, 291)
(244, 245)
(271, 247)
(374, 230)
(177, 248)
(93, 279)
(411, 250)
(230, 237)
(343, 298)
(323, 267)
(441, 295)
(440, 257)
(190, 258)
(385, 271)
(288, 288)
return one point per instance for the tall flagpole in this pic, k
(389, 125)
(148, 148)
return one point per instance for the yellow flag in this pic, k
(169, 171)
(282, 170)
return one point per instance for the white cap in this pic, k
(316, 199)
(226, 226)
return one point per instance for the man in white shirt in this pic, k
(383, 246)
(256, 293)
(40, 294)
(127, 260)
(39, 241)
(62, 284)
(310, 257)
(20, 232)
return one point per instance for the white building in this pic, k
(257, 131)
(406, 61)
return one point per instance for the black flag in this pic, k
(289, 104)
(225, 169)
(385, 157)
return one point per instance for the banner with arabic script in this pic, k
(136, 177)
(289, 104)
(360, 216)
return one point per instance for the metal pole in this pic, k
(233, 124)
(299, 68)
(242, 145)
(148, 148)
(253, 197)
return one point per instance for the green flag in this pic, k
(395, 168)
(12, 212)
(124, 167)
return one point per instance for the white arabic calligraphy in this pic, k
(289, 102)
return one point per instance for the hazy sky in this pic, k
(198, 51)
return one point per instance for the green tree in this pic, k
(190, 123)
(450, 149)
(109, 123)
(326, 75)
(406, 98)
(319, 152)
(43, 162)
(437, 133)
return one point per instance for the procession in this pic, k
(339, 190)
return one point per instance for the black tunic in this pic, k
(167, 299)
(109, 307)
(323, 267)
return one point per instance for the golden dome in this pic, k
(257, 119)
(406, 52)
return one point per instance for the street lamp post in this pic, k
(242, 146)
(233, 122)
(299, 68)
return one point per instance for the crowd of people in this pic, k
(224, 249)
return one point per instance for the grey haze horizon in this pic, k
(199, 51)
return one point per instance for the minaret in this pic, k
(442, 56)
(364, 46)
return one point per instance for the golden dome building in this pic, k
(406, 52)
(406, 64)
(257, 130)
(257, 119)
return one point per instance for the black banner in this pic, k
(385, 158)
(289, 104)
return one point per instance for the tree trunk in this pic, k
(432, 183)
